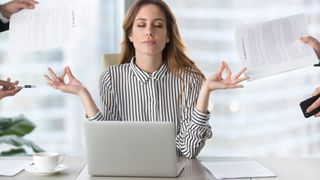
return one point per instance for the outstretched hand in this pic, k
(16, 5)
(8, 88)
(217, 81)
(74, 86)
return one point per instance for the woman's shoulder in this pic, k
(118, 68)
(191, 75)
(114, 71)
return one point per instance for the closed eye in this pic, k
(141, 25)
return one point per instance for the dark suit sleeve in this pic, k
(4, 27)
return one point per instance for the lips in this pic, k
(149, 42)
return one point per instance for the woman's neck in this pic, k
(149, 63)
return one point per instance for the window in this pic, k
(59, 116)
(264, 118)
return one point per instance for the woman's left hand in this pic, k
(228, 82)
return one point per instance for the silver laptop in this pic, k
(117, 148)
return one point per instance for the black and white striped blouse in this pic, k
(130, 94)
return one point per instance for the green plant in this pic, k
(12, 131)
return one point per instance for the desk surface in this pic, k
(284, 168)
(74, 164)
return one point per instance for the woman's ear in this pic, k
(167, 40)
(130, 36)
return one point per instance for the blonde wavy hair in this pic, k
(174, 52)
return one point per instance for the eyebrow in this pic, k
(144, 19)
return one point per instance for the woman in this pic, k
(155, 81)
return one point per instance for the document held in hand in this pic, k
(272, 47)
(50, 24)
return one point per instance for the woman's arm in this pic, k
(74, 86)
(194, 127)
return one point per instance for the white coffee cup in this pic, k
(47, 161)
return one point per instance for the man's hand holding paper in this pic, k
(273, 47)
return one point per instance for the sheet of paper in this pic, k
(13, 166)
(272, 47)
(50, 24)
(237, 169)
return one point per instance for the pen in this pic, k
(26, 86)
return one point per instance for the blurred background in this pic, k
(262, 119)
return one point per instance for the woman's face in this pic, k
(149, 31)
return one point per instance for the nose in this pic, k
(149, 32)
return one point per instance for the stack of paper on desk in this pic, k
(272, 47)
(11, 167)
(238, 169)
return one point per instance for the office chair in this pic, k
(110, 59)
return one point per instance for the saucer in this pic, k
(32, 169)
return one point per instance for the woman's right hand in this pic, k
(74, 86)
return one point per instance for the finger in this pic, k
(12, 92)
(240, 80)
(16, 83)
(28, 1)
(311, 41)
(48, 79)
(21, 4)
(69, 73)
(242, 70)
(4, 83)
(25, 6)
(228, 71)
(317, 115)
(10, 85)
(63, 74)
(314, 105)
(220, 69)
(308, 39)
(15, 91)
(53, 75)
(28, 4)
(53, 85)
(234, 86)
(316, 92)
(32, 2)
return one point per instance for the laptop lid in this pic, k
(117, 148)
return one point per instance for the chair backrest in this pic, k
(110, 59)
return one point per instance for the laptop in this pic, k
(119, 148)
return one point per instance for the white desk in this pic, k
(284, 168)
(75, 164)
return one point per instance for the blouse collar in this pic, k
(145, 76)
